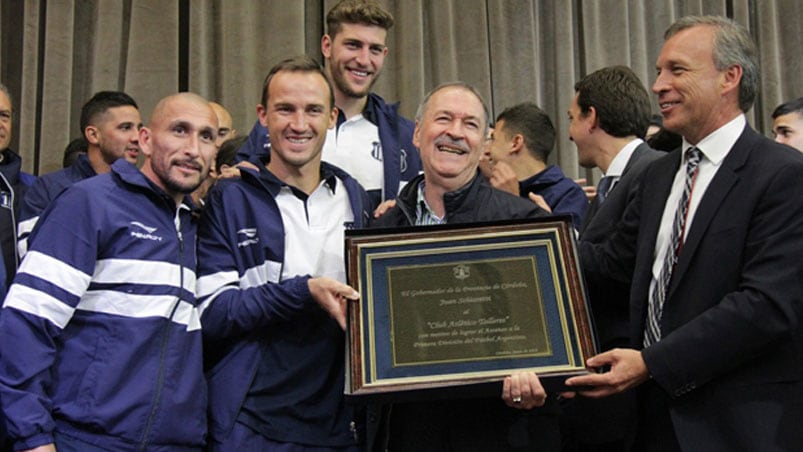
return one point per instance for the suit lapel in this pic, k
(594, 206)
(727, 176)
(635, 156)
(592, 210)
(657, 186)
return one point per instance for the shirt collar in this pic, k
(549, 175)
(423, 213)
(719, 142)
(618, 164)
(368, 113)
(328, 179)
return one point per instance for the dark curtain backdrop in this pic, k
(56, 53)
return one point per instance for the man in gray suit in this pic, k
(609, 116)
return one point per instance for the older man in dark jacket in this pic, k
(13, 183)
(450, 131)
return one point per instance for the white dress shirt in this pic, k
(714, 148)
(618, 164)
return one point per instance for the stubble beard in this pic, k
(174, 185)
(341, 84)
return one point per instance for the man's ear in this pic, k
(92, 134)
(145, 141)
(333, 118)
(416, 133)
(326, 46)
(731, 78)
(592, 118)
(516, 144)
(262, 115)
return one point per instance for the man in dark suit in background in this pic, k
(714, 240)
(609, 115)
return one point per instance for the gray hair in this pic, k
(425, 103)
(4, 89)
(733, 46)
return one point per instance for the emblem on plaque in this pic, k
(461, 271)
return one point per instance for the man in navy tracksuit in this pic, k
(371, 141)
(13, 184)
(273, 334)
(100, 334)
(517, 152)
(110, 124)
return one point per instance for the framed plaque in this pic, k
(444, 307)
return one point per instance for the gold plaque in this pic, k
(449, 306)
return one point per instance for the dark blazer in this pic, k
(730, 360)
(608, 298)
(612, 420)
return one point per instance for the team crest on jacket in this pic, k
(141, 231)
(403, 158)
(376, 151)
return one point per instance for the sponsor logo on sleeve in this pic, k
(247, 236)
(141, 231)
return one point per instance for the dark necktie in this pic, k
(655, 308)
(603, 188)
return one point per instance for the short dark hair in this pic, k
(100, 103)
(73, 150)
(665, 140)
(733, 46)
(300, 63)
(620, 99)
(227, 154)
(533, 124)
(793, 106)
(363, 12)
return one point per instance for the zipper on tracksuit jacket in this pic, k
(13, 223)
(143, 445)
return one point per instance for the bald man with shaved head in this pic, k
(225, 128)
(225, 131)
(100, 333)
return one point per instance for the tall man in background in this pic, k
(371, 140)
(714, 241)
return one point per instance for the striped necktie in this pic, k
(604, 187)
(655, 307)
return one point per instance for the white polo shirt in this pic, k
(314, 228)
(355, 147)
